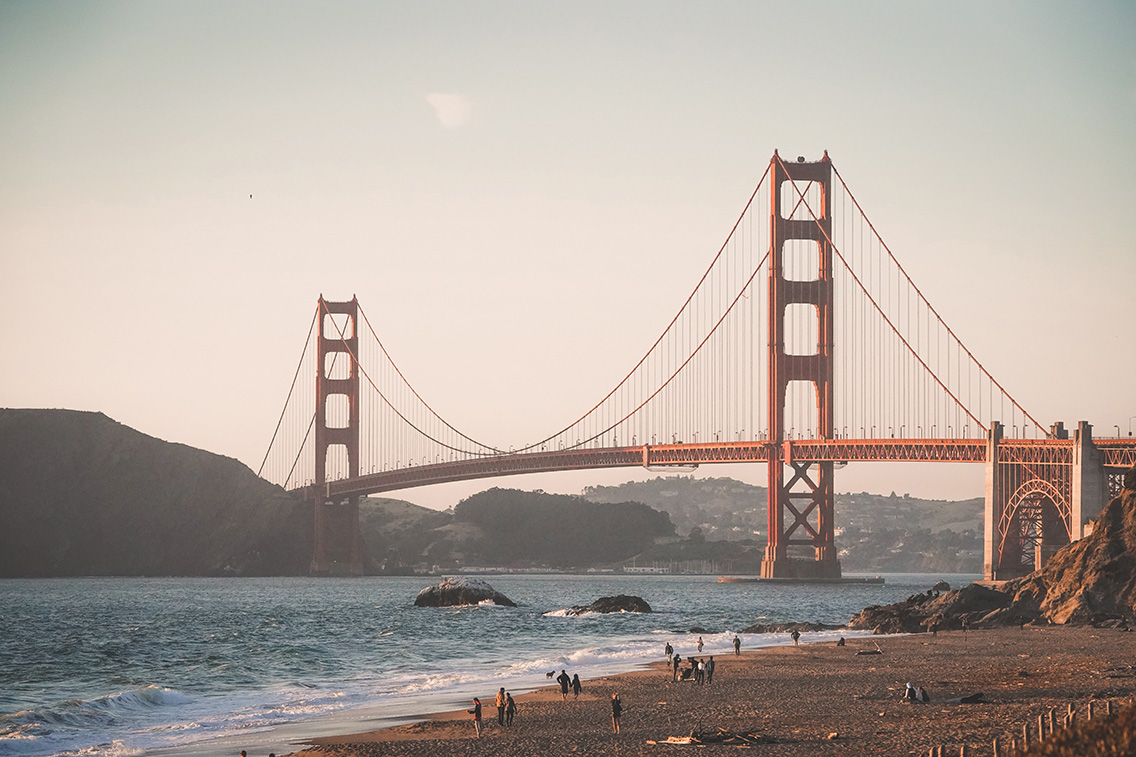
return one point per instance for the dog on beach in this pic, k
(550, 674)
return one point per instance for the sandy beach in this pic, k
(806, 700)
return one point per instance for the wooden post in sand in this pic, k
(1108, 707)
(1052, 722)
(997, 748)
(1025, 735)
(1090, 709)
(1013, 744)
(1041, 728)
(1072, 716)
(962, 750)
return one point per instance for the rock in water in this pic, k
(941, 586)
(620, 603)
(455, 592)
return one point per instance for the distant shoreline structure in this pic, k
(757, 580)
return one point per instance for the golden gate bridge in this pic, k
(804, 346)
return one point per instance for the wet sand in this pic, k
(814, 699)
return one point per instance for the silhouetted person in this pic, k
(699, 645)
(616, 711)
(796, 637)
(840, 642)
(669, 650)
(510, 709)
(564, 682)
(710, 670)
(677, 659)
(737, 645)
(576, 686)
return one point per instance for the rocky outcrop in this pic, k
(1091, 581)
(919, 611)
(1094, 579)
(461, 591)
(618, 603)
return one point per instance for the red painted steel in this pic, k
(811, 451)
(808, 494)
(335, 519)
(1117, 453)
(1033, 479)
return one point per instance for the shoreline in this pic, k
(795, 697)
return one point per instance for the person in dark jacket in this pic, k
(510, 709)
(564, 682)
(476, 712)
(576, 686)
(676, 661)
(616, 711)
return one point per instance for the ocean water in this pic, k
(198, 666)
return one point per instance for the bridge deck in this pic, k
(1116, 454)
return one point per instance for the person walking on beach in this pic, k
(616, 711)
(500, 702)
(675, 662)
(576, 686)
(669, 650)
(699, 645)
(710, 670)
(476, 712)
(564, 682)
(796, 637)
(737, 645)
(510, 709)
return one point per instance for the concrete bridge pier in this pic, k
(1090, 481)
(992, 510)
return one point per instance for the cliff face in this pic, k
(1089, 581)
(81, 494)
(1095, 576)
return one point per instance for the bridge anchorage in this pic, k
(804, 346)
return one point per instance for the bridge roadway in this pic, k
(1117, 454)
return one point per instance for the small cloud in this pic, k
(452, 110)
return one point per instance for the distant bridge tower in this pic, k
(807, 497)
(337, 544)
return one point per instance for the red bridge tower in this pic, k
(807, 497)
(337, 544)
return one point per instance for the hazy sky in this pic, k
(521, 195)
